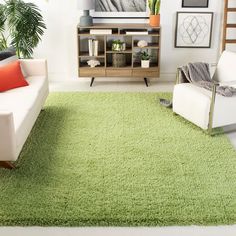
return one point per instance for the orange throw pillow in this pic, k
(11, 77)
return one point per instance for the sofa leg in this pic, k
(7, 165)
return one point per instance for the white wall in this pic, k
(59, 44)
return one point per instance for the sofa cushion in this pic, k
(24, 97)
(11, 77)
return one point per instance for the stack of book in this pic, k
(136, 32)
(100, 31)
(93, 47)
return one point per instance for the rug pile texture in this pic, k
(118, 159)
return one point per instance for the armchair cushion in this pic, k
(226, 69)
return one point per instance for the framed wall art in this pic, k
(111, 9)
(195, 3)
(193, 29)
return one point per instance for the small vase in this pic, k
(154, 20)
(145, 63)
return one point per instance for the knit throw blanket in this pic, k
(199, 74)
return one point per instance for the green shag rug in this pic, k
(118, 159)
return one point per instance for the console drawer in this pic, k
(92, 72)
(145, 73)
(118, 73)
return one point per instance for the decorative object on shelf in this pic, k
(86, 6)
(93, 63)
(137, 32)
(195, 3)
(93, 47)
(101, 31)
(23, 24)
(118, 60)
(142, 44)
(118, 45)
(154, 6)
(193, 29)
(121, 9)
(145, 59)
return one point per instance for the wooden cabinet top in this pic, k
(131, 26)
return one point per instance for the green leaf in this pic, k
(26, 26)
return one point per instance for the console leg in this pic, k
(146, 81)
(7, 165)
(92, 80)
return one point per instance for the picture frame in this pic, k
(195, 3)
(193, 29)
(105, 12)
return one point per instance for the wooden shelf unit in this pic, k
(133, 68)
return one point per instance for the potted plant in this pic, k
(154, 6)
(21, 26)
(118, 45)
(145, 59)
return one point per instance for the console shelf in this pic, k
(131, 34)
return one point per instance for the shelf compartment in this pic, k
(84, 45)
(150, 45)
(128, 60)
(86, 31)
(144, 32)
(154, 61)
(83, 63)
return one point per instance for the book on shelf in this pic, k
(93, 47)
(136, 32)
(90, 46)
(100, 31)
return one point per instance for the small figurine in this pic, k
(93, 63)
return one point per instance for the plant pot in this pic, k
(154, 20)
(145, 63)
(118, 60)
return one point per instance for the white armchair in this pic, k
(204, 108)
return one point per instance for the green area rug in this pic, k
(118, 159)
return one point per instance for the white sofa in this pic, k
(203, 107)
(19, 109)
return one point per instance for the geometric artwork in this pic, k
(121, 9)
(193, 29)
(195, 3)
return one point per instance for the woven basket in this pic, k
(118, 60)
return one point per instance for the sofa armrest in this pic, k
(34, 67)
(7, 137)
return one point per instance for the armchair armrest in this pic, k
(7, 137)
(34, 67)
